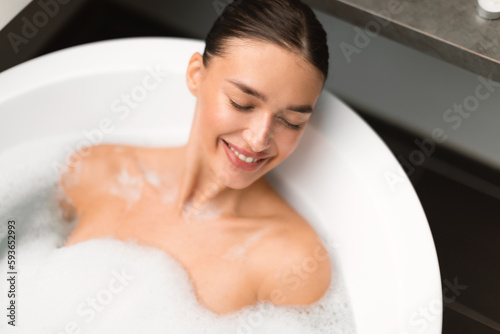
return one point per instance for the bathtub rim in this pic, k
(70, 63)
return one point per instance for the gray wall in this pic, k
(415, 91)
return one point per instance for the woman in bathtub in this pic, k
(207, 203)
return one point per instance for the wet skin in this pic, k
(237, 239)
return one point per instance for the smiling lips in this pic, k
(242, 158)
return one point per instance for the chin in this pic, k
(237, 179)
(240, 184)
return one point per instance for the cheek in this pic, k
(287, 141)
(209, 114)
(217, 118)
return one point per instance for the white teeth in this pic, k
(242, 157)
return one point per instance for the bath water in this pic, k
(110, 286)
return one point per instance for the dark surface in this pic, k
(456, 323)
(461, 198)
(465, 225)
(98, 21)
(21, 39)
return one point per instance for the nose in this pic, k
(259, 133)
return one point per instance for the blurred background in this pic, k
(424, 74)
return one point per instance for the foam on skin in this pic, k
(127, 187)
(111, 286)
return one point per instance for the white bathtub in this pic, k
(342, 177)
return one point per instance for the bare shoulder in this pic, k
(294, 265)
(91, 169)
(295, 268)
(101, 159)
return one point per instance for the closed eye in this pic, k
(240, 107)
(290, 125)
(283, 120)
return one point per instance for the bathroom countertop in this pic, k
(449, 30)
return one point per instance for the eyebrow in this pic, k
(304, 109)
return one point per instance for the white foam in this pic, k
(237, 253)
(110, 286)
(127, 187)
(194, 212)
(168, 192)
(152, 178)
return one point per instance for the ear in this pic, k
(193, 73)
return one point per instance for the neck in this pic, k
(200, 190)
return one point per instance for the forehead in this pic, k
(267, 67)
(257, 52)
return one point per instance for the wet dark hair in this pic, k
(287, 23)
